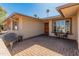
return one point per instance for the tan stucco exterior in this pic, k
(78, 29)
(30, 27)
(27, 27)
(73, 35)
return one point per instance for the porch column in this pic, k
(11, 25)
(20, 23)
(50, 28)
(78, 29)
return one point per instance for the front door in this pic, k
(46, 28)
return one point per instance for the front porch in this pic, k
(44, 46)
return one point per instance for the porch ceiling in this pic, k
(68, 10)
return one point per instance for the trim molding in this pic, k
(70, 19)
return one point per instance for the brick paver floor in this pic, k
(44, 46)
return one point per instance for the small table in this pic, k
(59, 35)
(63, 35)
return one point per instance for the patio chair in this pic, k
(65, 35)
(10, 39)
(57, 35)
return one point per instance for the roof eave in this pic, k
(65, 6)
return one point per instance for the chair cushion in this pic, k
(10, 37)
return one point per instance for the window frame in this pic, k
(70, 19)
(13, 24)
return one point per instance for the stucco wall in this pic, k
(78, 28)
(30, 27)
(74, 28)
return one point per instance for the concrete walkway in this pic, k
(3, 49)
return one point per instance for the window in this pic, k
(62, 26)
(15, 25)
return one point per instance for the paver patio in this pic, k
(44, 46)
